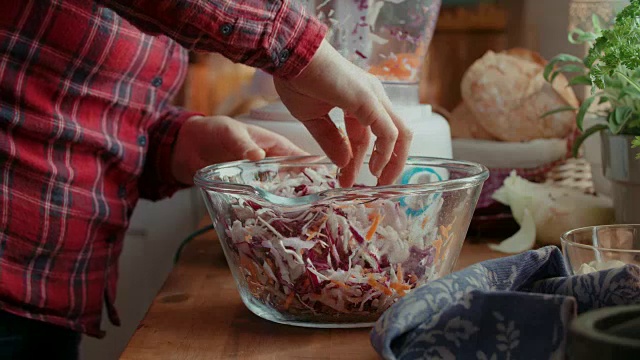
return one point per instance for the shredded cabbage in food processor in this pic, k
(335, 258)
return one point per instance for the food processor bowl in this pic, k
(386, 38)
(305, 252)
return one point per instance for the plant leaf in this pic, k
(633, 83)
(568, 58)
(611, 122)
(578, 36)
(580, 139)
(629, 91)
(619, 118)
(569, 68)
(558, 110)
(636, 143)
(549, 68)
(595, 20)
(580, 80)
(582, 111)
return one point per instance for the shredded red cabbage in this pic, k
(332, 259)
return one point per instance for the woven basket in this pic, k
(492, 219)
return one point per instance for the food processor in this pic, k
(389, 39)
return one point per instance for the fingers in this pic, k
(332, 141)
(274, 144)
(243, 145)
(399, 156)
(393, 137)
(372, 113)
(396, 163)
(359, 137)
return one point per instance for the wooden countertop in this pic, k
(198, 314)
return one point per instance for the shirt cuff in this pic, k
(157, 180)
(297, 53)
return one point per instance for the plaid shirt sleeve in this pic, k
(157, 181)
(277, 36)
(85, 129)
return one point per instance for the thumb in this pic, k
(244, 147)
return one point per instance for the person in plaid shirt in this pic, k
(87, 128)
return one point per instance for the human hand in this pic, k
(203, 141)
(331, 81)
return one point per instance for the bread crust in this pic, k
(507, 94)
(464, 125)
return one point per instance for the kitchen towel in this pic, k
(518, 307)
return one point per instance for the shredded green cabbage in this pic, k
(341, 259)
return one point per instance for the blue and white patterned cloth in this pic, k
(517, 307)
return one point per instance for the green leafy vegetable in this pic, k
(580, 139)
(636, 143)
(611, 68)
(616, 47)
(582, 111)
(558, 110)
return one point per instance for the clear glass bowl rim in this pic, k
(565, 238)
(477, 175)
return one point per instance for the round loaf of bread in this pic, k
(464, 125)
(507, 93)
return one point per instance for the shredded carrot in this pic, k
(398, 67)
(438, 245)
(254, 286)
(289, 300)
(249, 265)
(313, 232)
(400, 273)
(425, 221)
(400, 288)
(413, 279)
(340, 284)
(444, 231)
(376, 285)
(374, 227)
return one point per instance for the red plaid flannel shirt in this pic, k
(86, 129)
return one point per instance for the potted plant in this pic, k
(612, 70)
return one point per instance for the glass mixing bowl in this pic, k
(305, 252)
(601, 247)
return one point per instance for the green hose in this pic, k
(188, 239)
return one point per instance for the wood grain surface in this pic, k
(198, 314)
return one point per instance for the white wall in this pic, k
(153, 237)
(548, 23)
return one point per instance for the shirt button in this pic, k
(122, 191)
(142, 140)
(284, 55)
(157, 81)
(226, 29)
